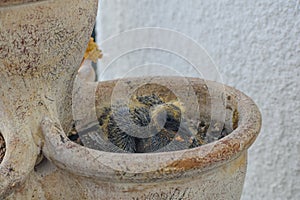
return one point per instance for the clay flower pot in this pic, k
(212, 171)
(41, 46)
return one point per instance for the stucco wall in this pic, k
(256, 46)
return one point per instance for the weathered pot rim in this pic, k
(154, 166)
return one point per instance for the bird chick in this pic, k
(166, 117)
(170, 131)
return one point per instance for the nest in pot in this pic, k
(170, 131)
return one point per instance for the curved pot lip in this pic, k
(94, 163)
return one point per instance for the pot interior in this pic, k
(140, 116)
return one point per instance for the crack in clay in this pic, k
(2, 148)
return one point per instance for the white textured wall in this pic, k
(256, 45)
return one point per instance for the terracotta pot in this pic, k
(41, 46)
(212, 171)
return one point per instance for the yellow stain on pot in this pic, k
(235, 165)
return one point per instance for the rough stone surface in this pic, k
(256, 46)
